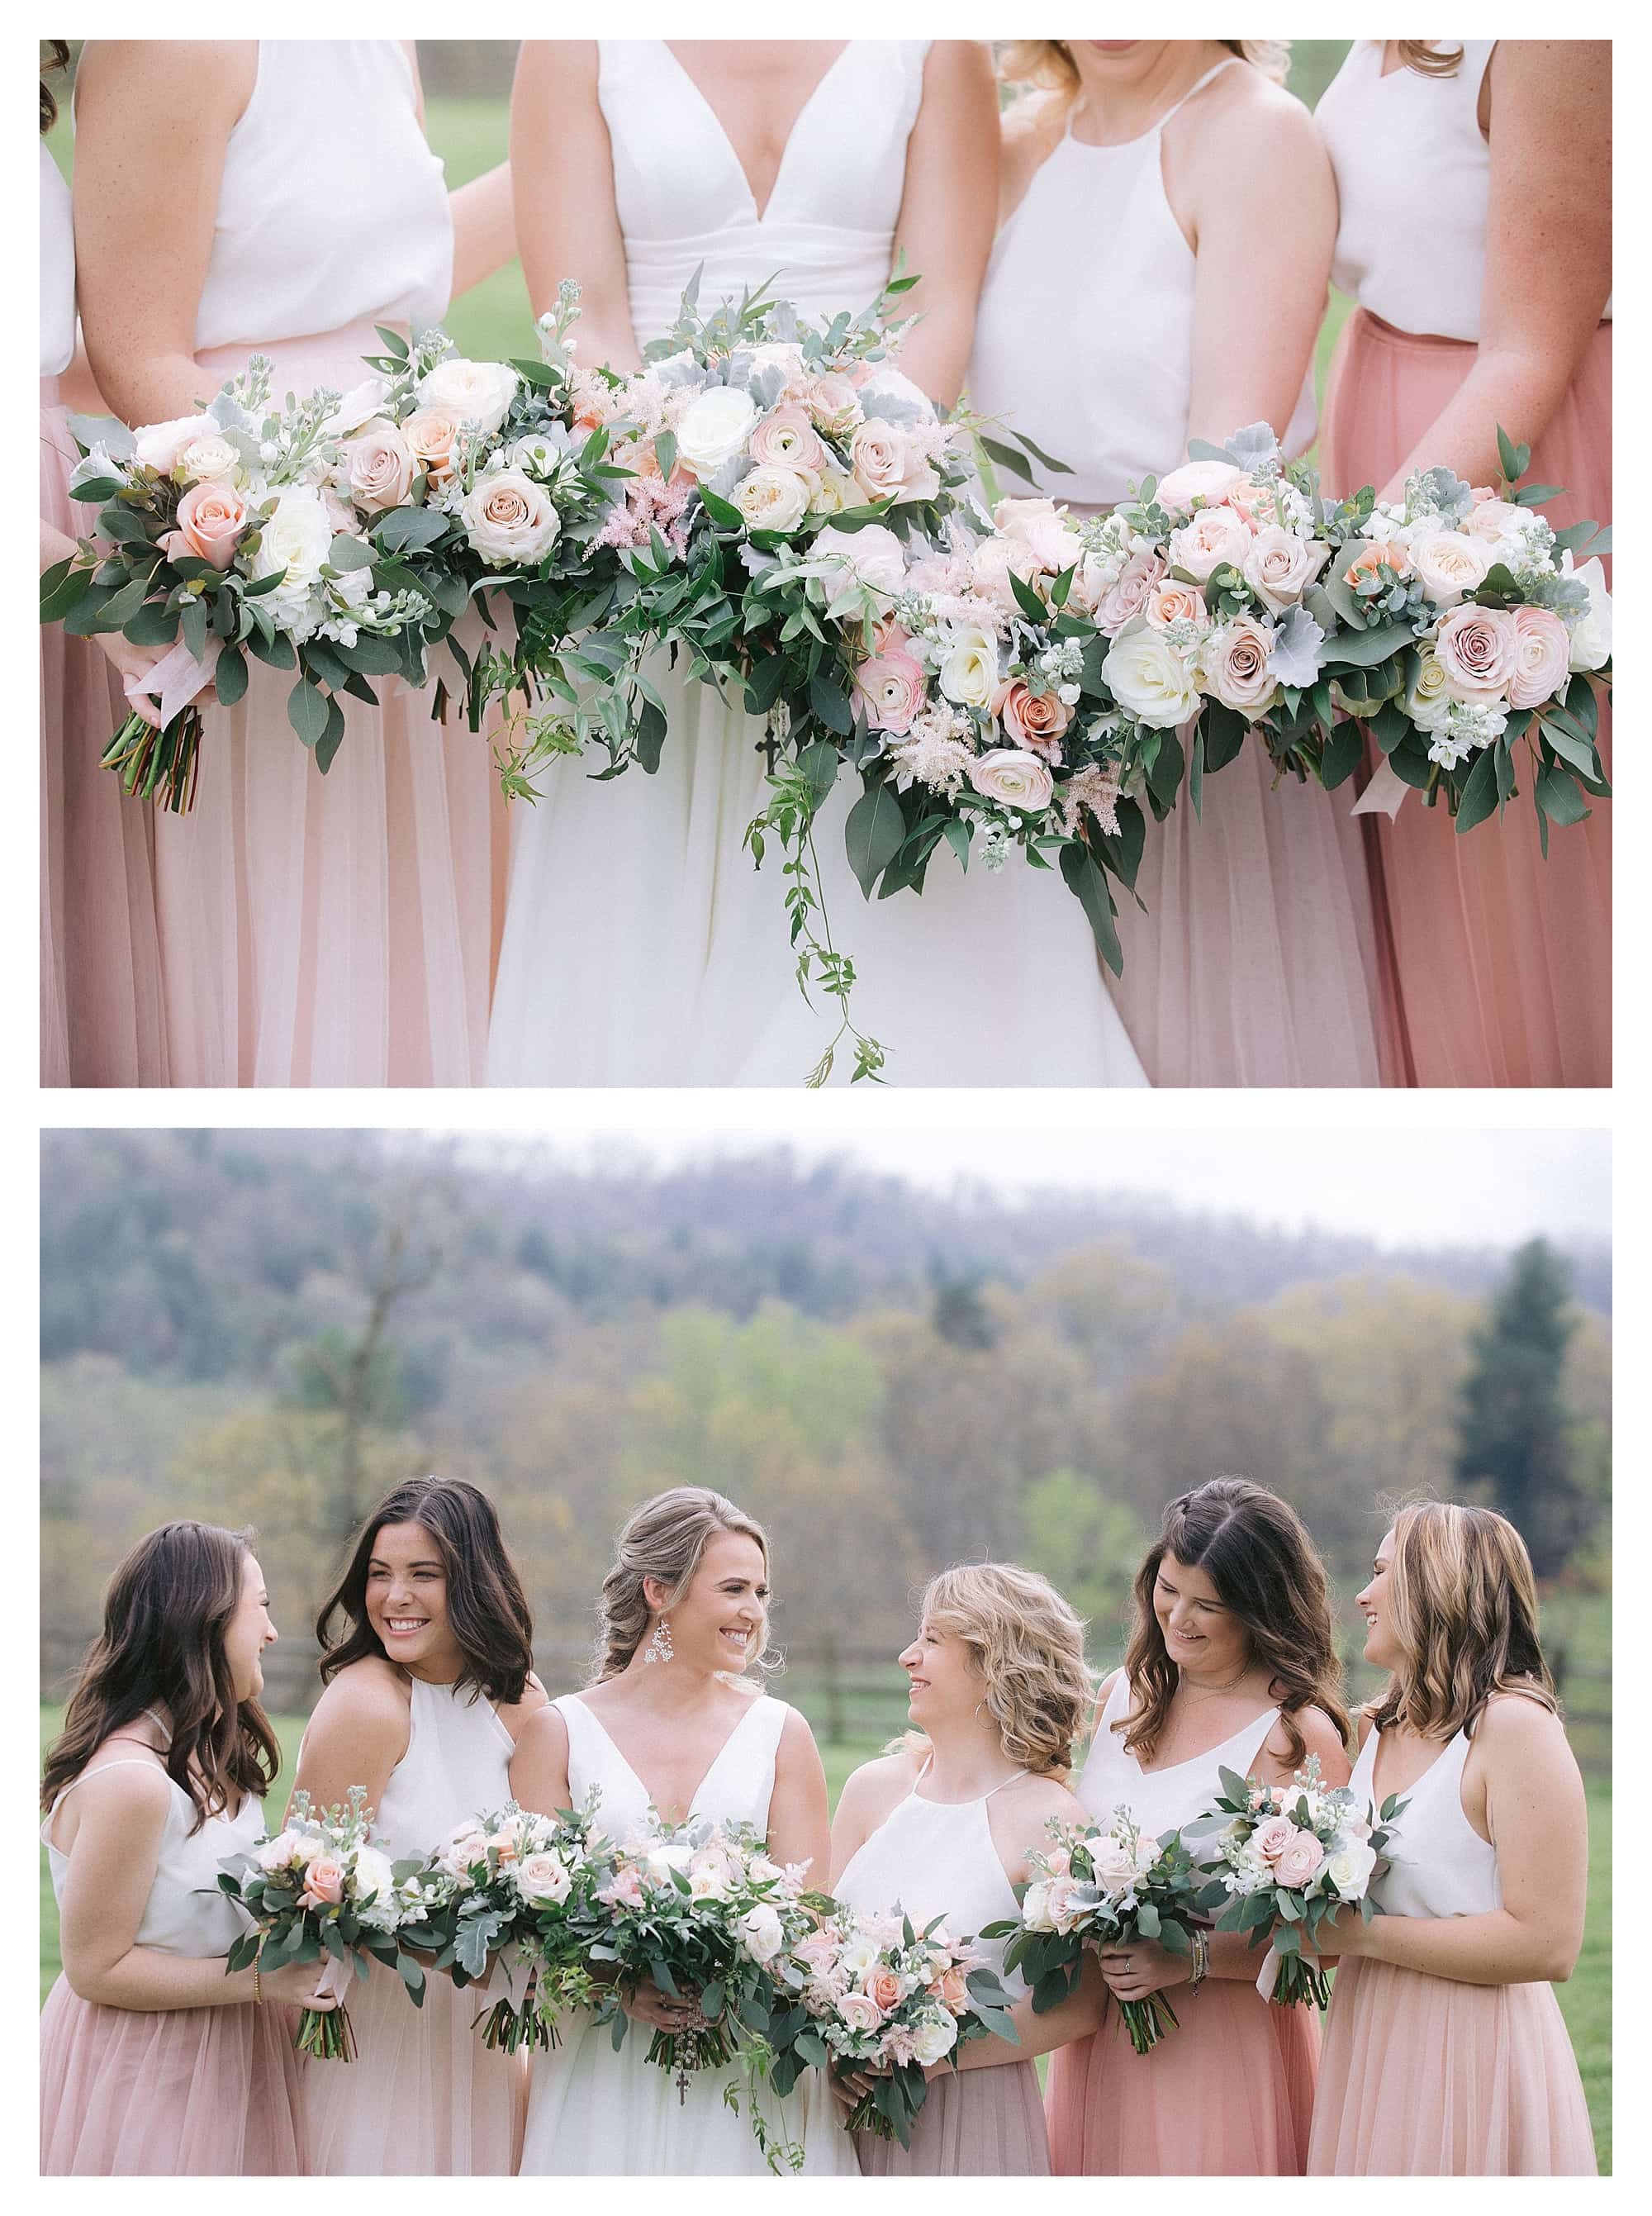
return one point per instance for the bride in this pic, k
(640, 946)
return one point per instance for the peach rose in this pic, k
(431, 435)
(1542, 648)
(785, 439)
(1234, 662)
(1271, 1840)
(885, 1990)
(323, 1883)
(954, 1991)
(380, 467)
(211, 520)
(1215, 536)
(1477, 649)
(1377, 554)
(892, 688)
(1034, 720)
(1169, 604)
(1297, 1865)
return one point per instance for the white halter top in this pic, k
(825, 238)
(1084, 335)
(736, 1789)
(937, 1858)
(1161, 1800)
(1440, 1865)
(56, 270)
(458, 1763)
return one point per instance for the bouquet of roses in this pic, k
(1104, 1885)
(872, 1994)
(1287, 1858)
(320, 1887)
(505, 1886)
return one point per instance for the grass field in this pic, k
(1586, 2001)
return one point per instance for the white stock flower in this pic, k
(479, 393)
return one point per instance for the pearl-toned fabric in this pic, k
(56, 270)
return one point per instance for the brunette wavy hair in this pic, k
(1047, 65)
(1256, 1550)
(165, 1614)
(486, 1609)
(57, 57)
(666, 1538)
(1028, 1647)
(1463, 1604)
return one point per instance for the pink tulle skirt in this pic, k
(1496, 964)
(1426, 2078)
(1229, 2093)
(205, 2092)
(336, 930)
(101, 1016)
(981, 2123)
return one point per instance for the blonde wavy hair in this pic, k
(1429, 60)
(666, 1538)
(1027, 1645)
(1047, 65)
(1463, 1604)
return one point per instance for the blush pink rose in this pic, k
(1034, 720)
(211, 520)
(1168, 604)
(1141, 576)
(1477, 649)
(893, 686)
(1299, 1860)
(1271, 1840)
(1012, 777)
(323, 1883)
(889, 466)
(1543, 649)
(1234, 664)
(380, 465)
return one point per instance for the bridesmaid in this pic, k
(1496, 156)
(428, 1683)
(1231, 1666)
(943, 1825)
(154, 2062)
(1138, 177)
(100, 952)
(314, 931)
(1446, 2053)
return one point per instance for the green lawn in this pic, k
(1586, 2001)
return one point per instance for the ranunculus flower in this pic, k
(1141, 576)
(873, 555)
(1149, 678)
(1169, 604)
(1210, 481)
(1271, 1838)
(542, 1878)
(714, 429)
(380, 467)
(1542, 657)
(431, 433)
(1034, 720)
(1012, 779)
(479, 393)
(893, 688)
(160, 445)
(211, 520)
(1299, 1861)
(772, 499)
(1234, 660)
(1477, 647)
(1212, 537)
(323, 1883)
(833, 403)
(785, 439)
(1493, 519)
(1280, 567)
(1447, 564)
(860, 2011)
(889, 466)
(969, 670)
(1591, 634)
(510, 519)
(209, 458)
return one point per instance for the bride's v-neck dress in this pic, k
(595, 2112)
(641, 945)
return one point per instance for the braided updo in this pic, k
(665, 1538)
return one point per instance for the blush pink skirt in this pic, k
(978, 2123)
(203, 2092)
(1427, 2077)
(1229, 2093)
(1496, 965)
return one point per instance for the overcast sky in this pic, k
(1402, 1186)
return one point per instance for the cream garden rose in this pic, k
(1427, 697)
(479, 393)
(379, 467)
(1211, 482)
(1214, 537)
(510, 519)
(1149, 678)
(771, 499)
(158, 446)
(1280, 567)
(208, 459)
(872, 556)
(1448, 565)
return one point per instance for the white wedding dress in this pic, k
(594, 2113)
(640, 946)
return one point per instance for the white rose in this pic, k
(714, 429)
(208, 460)
(1206, 481)
(373, 1873)
(359, 406)
(1012, 779)
(857, 1956)
(772, 499)
(969, 670)
(873, 555)
(1349, 1871)
(936, 2036)
(1592, 633)
(277, 1853)
(159, 445)
(479, 393)
(510, 519)
(296, 537)
(1114, 1861)
(1035, 1907)
(1449, 563)
(1280, 567)
(541, 1877)
(1149, 679)
(535, 454)
(1428, 698)
(763, 1933)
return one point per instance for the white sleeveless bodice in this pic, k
(458, 1764)
(736, 1789)
(1439, 1863)
(1161, 1800)
(332, 210)
(1084, 338)
(56, 270)
(185, 1913)
(825, 239)
(937, 1858)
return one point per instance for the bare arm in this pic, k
(947, 208)
(797, 1810)
(562, 177)
(1548, 252)
(148, 169)
(1257, 313)
(868, 1795)
(539, 1765)
(357, 1735)
(484, 228)
(1021, 1820)
(1538, 1820)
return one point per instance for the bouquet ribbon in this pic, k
(1270, 1960)
(175, 679)
(1383, 796)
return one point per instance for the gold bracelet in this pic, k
(1201, 1960)
(257, 1984)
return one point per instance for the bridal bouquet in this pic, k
(1108, 1885)
(507, 1887)
(320, 1887)
(1287, 1858)
(873, 1995)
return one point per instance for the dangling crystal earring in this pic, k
(659, 1648)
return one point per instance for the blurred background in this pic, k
(467, 84)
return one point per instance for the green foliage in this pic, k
(1087, 1545)
(1515, 1441)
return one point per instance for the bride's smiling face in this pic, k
(719, 1622)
